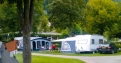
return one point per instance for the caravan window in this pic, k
(100, 41)
(93, 41)
(82, 41)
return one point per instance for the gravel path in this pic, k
(88, 59)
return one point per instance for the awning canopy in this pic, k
(21, 38)
(65, 39)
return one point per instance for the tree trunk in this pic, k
(20, 15)
(70, 31)
(70, 26)
(26, 48)
(26, 34)
(25, 16)
(31, 12)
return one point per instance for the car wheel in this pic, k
(112, 51)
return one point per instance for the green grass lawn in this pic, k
(45, 59)
(73, 54)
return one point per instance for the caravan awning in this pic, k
(59, 40)
(66, 39)
(21, 38)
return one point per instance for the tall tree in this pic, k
(76, 30)
(8, 14)
(40, 18)
(25, 12)
(100, 16)
(8, 18)
(65, 13)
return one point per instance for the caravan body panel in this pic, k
(82, 43)
(90, 43)
(95, 41)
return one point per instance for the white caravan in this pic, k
(88, 42)
(81, 43)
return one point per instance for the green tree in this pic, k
(40, 18)
(8, 18)
(25, 15)
(100, 16)
(65, 13)
(64, 33)
(8, 14)
(25, 10)
(76, 30)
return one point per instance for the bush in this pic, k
(118, 44)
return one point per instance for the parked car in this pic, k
(108, 48)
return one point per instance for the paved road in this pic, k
(88, 59)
